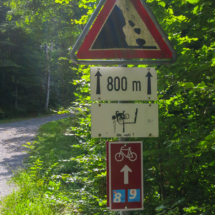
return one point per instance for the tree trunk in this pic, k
(48, 88)
(16, 93)
(161, 182)
(181, 211)
(3, 78)
(161, 176)
(48, 75)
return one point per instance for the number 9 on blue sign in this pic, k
(134, 195)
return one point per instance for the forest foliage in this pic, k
(35, 69)
(179, 165)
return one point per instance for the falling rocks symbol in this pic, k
(105, 40)
(115, 23)
(124, 29)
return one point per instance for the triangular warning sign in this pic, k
(124, 29)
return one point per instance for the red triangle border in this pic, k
(85, 52)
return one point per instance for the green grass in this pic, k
(29, 199)
(43, 185)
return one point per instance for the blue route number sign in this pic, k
(133, 195)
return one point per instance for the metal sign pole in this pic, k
(125, 213)
(123, 139)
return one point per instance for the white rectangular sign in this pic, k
(124, 120)
(123, 83)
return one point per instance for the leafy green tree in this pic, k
(179, 165)
(35, 44)
(50, 25)
(20, 77)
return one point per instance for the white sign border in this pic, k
(142, 178)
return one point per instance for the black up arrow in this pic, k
(149, 90)
(98, 91)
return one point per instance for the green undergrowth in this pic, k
(18, 118)
(49, 184)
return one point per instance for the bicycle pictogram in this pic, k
(125, 152)
(121, 117)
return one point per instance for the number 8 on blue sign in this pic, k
(118, 196)
(134, 195)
